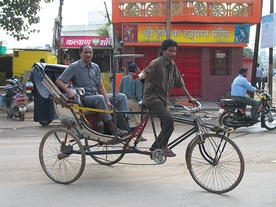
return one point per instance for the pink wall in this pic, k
(248, 63)
(214, 86)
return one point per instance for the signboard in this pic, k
(77, 41)
(186, 33)
(268, 31)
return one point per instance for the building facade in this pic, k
(73, 36)
(211, 35)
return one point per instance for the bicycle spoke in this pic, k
(216, 164)
(61, 156)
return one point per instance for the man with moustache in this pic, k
(159, 77)
(86, 74)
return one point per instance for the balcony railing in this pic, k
(226, 11)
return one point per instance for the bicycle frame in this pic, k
(198, 128)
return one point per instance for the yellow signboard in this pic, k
(188, 33)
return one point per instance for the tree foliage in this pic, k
(103, 30)
(247, 52)
(18, 16)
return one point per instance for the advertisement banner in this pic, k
(268, 31)
(94, 41)
(183, 33)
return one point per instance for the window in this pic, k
(220, 61)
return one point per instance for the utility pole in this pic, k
(270, 84)
(59, 27)
(255, 55)
(107, 15)
(256, 52)
(168, 18)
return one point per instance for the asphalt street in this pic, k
(136, 180)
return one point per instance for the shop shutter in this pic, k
(150, 54)
(188, 61)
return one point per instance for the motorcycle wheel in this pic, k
(266, 119)
(9, 114)
(45, 122)
(21, 117)
(227, 117)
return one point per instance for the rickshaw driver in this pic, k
(86, 74)
(159, 77)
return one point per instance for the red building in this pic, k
(211, 35)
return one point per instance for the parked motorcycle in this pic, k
(29, 90)
(15, 101)
(233, 113)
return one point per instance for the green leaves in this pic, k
(18, 16)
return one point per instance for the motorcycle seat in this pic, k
(228, 102)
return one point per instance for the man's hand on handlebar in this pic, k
(259, 91)
(193, 101)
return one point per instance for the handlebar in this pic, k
(197, 107)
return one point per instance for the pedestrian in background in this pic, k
(132, 89)
(265, 78)
(42, 60)
(259, 76)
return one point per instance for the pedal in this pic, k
(158, 156)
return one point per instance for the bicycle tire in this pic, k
(62, 156)
(108, 158)
(216, 176)
(270, 125)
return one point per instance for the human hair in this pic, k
(132, 67)
(81, 47)
(42, 60)
(243, 70)
(167, 43)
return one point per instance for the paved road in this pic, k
(141, 183)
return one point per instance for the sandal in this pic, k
(169, 153)
(148, 152)
(122, 133)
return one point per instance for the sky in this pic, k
(74, 13)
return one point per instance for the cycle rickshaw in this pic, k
(214, 161)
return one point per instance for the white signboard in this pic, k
(268, 31)
(110, 34)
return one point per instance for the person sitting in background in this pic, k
(239, 87)
(132, 89)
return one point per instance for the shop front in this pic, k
(102, 49)
(208, 57)
(211, 35)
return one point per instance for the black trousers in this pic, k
(167, 124)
